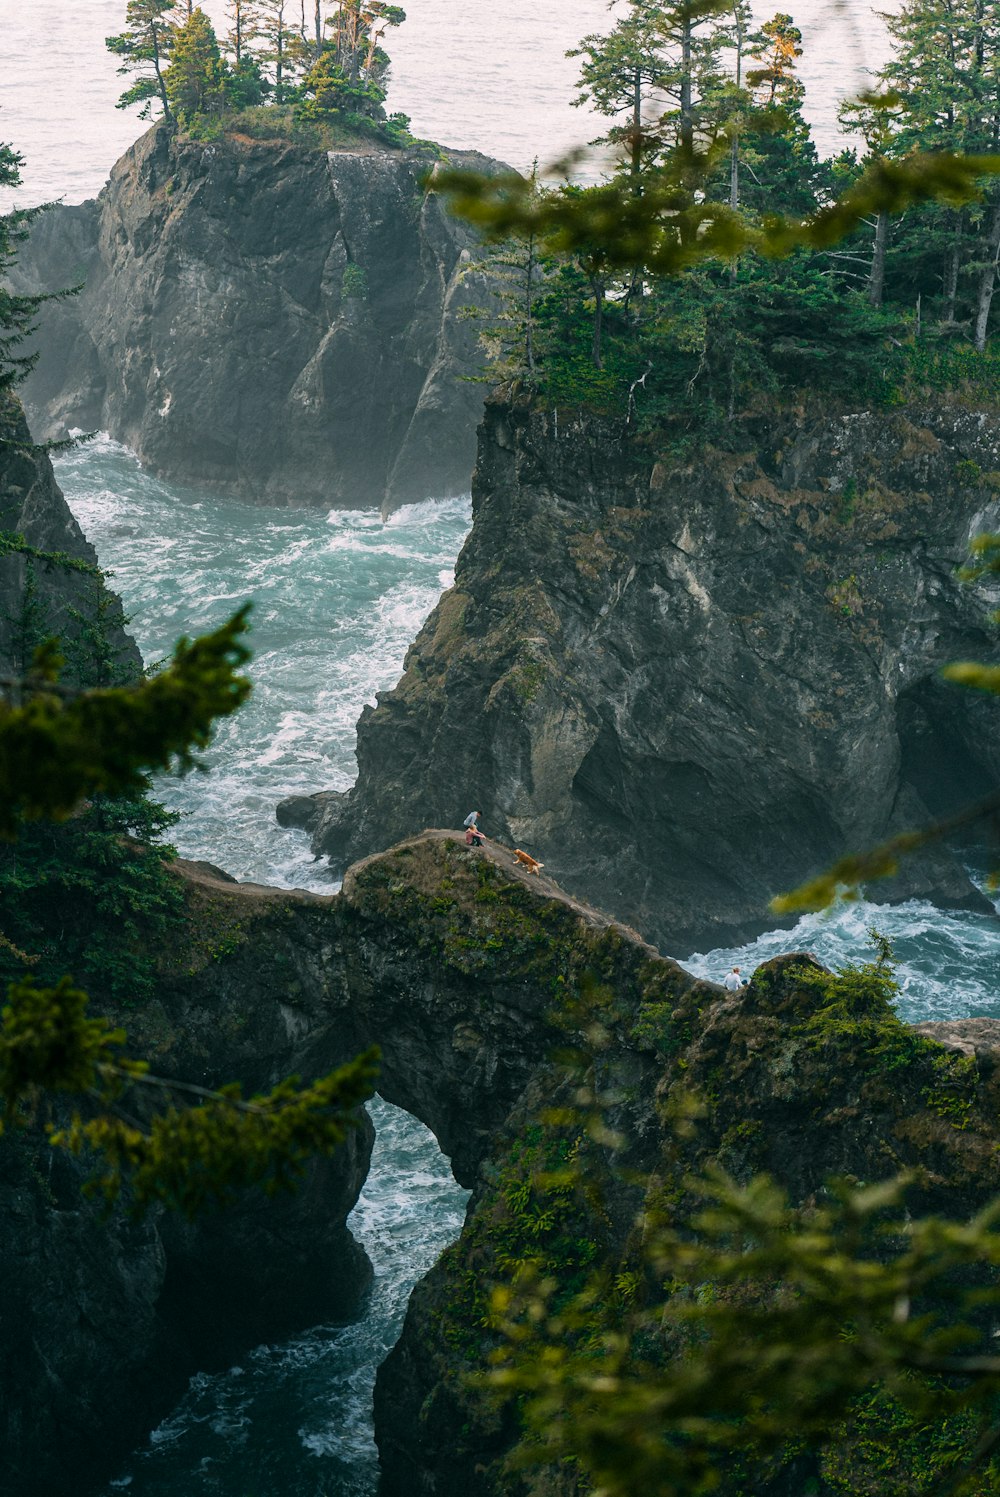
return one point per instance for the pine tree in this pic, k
(946, 73)
(17, 313)
(284, 52)
(144, 47)
(195, 80)
(351, 71)
(244, 28)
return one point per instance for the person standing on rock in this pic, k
(733, 981)
(473, 835)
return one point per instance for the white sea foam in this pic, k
(337, 599)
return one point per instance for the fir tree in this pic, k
(144, 47)
(195, 80)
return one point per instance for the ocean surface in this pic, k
(337, 599)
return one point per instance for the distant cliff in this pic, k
(687, 688)
(269, 320)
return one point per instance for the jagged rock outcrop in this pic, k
(277, 322)
(57, 591)
(779, 1093)
(103, 1319)
(688, 688)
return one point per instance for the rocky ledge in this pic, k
(280, 323)
(688, 688)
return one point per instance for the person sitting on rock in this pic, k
(473, 834)
(733, 981)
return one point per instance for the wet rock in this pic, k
(689, 688)
(276, 322)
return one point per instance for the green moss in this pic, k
(966, 471)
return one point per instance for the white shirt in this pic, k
(733, 981)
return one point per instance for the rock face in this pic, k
(272, 321)
(57, 590)
(779, 1095)
(102, 1319)
(688, 689)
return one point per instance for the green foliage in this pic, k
(856, 1014)
(195, 80)
(190, 1157)
(91, 896)
(144, 47)
(48, 1043)
(775, 1322)
(58, 748)
(354, 283)
(721, 263)
(14, 544)
(17, 312)
(665, 230)
(539, 1222)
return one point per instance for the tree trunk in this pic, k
(598, 289)
(637, 134)
(876, 279)
(319, 28)
(687, 121)
(529, 340)
(155, 35)
(951, 264)
(987, 279)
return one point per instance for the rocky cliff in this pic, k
(49, 578)
(687, 688)
(277, 322)
(102, 1318)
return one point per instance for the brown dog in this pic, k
(532, 864)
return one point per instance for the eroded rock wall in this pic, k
(687, 689)
(57, 591)
(478, 981)
(272, 321)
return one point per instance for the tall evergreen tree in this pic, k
(946, 73)
(144, 47)
(284, 51)
(195, 79)
(17, 313)
(351, 72)
(244, 28)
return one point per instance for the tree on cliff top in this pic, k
(16, 312)
(350, 74)
(196, 78)
(144, 47)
